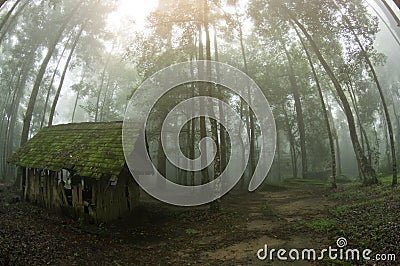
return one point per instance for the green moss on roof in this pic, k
(88, 149)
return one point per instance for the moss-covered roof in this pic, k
(87, 149)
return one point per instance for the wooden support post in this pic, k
(27, 181)
(74, 191)
(22, 172)
(80, 197)
(64, 200)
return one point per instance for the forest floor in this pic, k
(297, 214)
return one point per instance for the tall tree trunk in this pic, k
(103, 105)
(60, 85)
(215, 205)
(383, 100)
(363, 133)
(7, 26)
(397, 118)
(377, 148)
(222, 135)
(52, 81)
(193, 121)
(324, 110)
(103, 77)
(161, 164)
(5, 126)
(35, 90)
(292, 142)
(299, 113)
(75, 105)
(278, 152)
(367, 170)
(2, 2)
(8, 15)
(337, 143)
(203, 129)
(250, 118)
(20, 87)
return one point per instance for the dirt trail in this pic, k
(159, 234)
(277, 218)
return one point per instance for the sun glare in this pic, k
(132, 10)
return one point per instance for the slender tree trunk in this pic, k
(20, 87)
(35, 90)
(103, 105)
(367, 170)
(377, 148)
(299, 113)
(222, 135)
(250, 115)
(203, 129)
(397, 118)
(292, 143)
(363, 133)
(324, 111)
(383, 100)
(336, 138)
(7, 26)
(161, 164)
(5, 126)
(278, 151)
(103, 76)
(2, 2)
(8, 15)
(215, 205)
(192, 122)
(52, 81)
(75, 105)
(58, 92)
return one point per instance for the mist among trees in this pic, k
(328, 69)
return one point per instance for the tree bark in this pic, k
(292, 142)
(8, 15)
(363, 134)
(299, 113)
(383, 99)
(324, 110)
(75, 105)
(2, 2)
(7, 28)
(222, 135)
(35, 90)
(386, 112)
(57, 96)
(250, 118)
(52, 81)
(203, 129)
(367, 170)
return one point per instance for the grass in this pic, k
(368, 216)
(323, 225)
(300, 182)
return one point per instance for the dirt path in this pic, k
(159, 234)
(277, 218)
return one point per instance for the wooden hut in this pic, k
(79, 168)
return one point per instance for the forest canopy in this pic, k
(329, 69)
